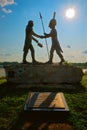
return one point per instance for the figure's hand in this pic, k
(45, 34)
(40, 45)
(41, 36)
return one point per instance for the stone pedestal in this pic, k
(43, 73)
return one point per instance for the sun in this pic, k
(70, 13)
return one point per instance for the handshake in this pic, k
(43, 36)
(40, 36)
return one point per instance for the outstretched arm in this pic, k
(42, 36)
(36, 35)
(45, 35)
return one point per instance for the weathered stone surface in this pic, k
(43, 73)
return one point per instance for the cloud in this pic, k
(73, 55)
(3, 16)
(68, 46)
(5, 54)
(85, 52)
(7, 11)
(6, 2)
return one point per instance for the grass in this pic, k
(12, 116)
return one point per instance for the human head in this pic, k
(30, 23)
(52, 23)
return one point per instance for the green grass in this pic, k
(12, 100)
(84, 81)
(2, 80)
(78, 106)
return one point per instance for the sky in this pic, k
(72, 33)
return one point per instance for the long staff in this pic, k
(54, 15)
(44, 32)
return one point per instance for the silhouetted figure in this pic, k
(28, 42)
(55, 42)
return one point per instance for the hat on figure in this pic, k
(53, 21)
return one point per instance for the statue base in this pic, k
(43, 74)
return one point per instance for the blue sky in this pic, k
(72, 33)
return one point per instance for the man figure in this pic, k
(28, 42)
(55, 42)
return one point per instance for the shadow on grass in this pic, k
(41, 121)
(10, 89)
(66, 88)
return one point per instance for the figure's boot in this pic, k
(62, 60)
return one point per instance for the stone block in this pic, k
(43, 74)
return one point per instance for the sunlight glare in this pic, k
(70, 13)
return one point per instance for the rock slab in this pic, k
(44, 73)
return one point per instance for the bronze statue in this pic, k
(28, 42)
(55, 42)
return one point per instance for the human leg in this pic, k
(32, 54)
(25, 55)
(51, 55)
(60, 55)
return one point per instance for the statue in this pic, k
(28, 42)
(55, 43)
(30, 36)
